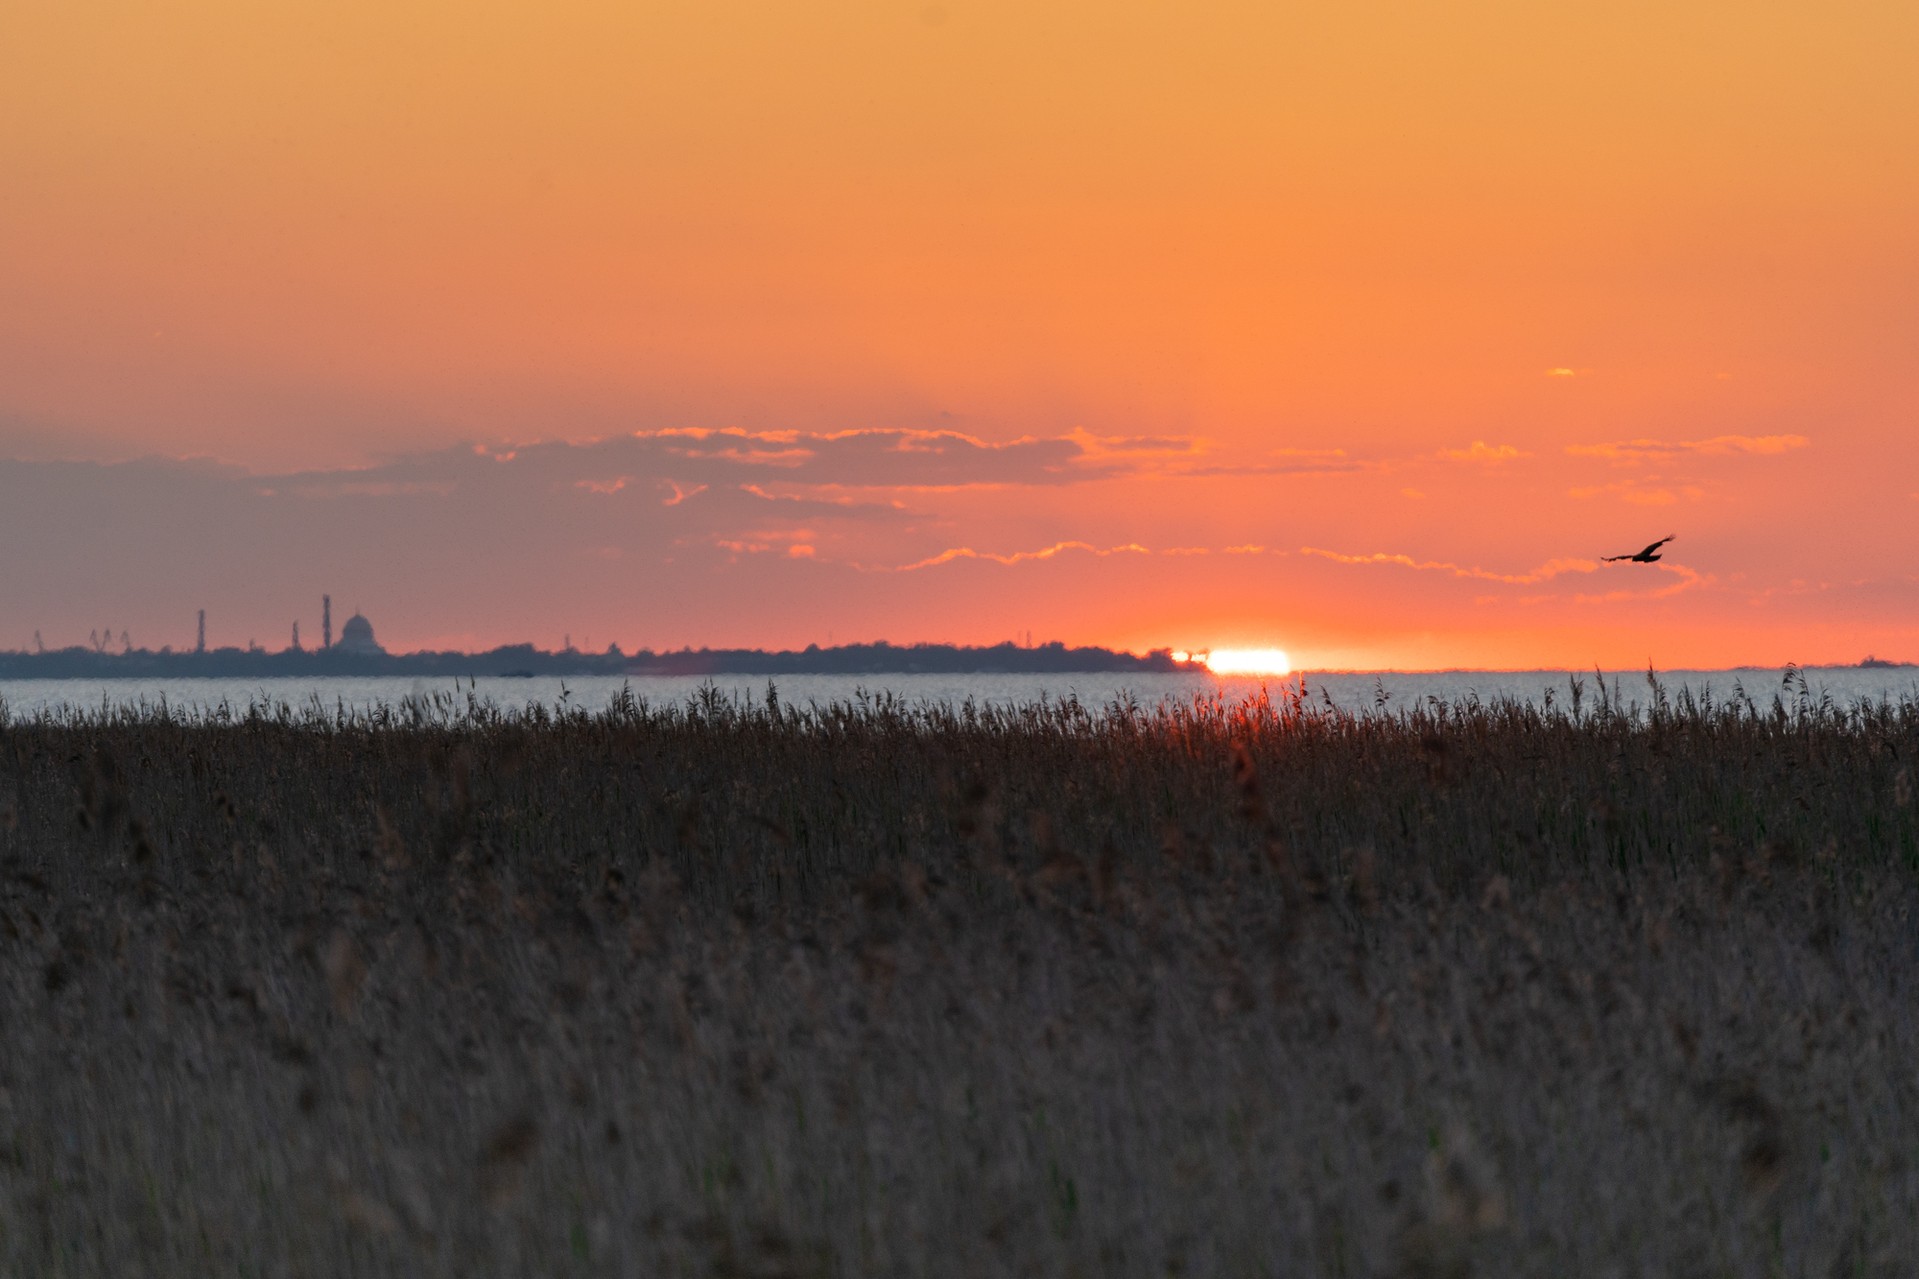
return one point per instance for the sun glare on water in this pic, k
(1248, 661)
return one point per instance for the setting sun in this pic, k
(1248, 661)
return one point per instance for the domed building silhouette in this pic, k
(357, 637)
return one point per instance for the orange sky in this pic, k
(1387, 292)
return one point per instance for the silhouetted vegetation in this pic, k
(1256, 988)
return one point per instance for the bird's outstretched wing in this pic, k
(1646, 556)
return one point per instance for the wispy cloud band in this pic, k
(1686, 578)
(1544, 573)
(1020, 557)
(1631, 452)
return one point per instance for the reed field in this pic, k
(1246, 989)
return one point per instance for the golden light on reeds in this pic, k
(1248, 661)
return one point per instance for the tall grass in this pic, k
(1610, 986)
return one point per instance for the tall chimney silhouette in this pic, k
(326, 621)
(200, 644)
(296, 636)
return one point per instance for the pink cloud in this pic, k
(1632, 452)
(1641, 494)
(1545, 572)
(1480, 451)
(1686, 578)
(1017, 557)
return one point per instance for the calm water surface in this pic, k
(1349, 690)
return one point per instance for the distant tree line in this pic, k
(878, 658)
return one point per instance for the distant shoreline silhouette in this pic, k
(879, 658)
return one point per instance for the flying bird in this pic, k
(1647, 556)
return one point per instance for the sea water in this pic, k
(1387, 691)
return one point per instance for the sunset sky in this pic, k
(1357, 329)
